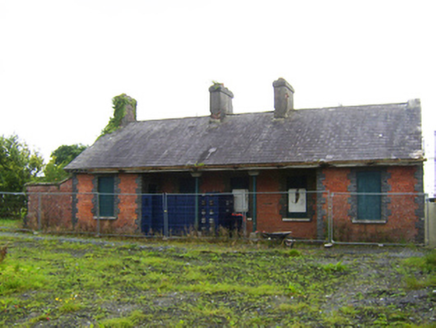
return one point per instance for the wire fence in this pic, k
(12, 205)
(337, 218)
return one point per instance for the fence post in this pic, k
(196, 176)
(98, 214)
(165, 212)
(39, 211)
(254, 205)
(431, 220)
(427, 221)
(254, 175)
(330, 216)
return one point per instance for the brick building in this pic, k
(286, 163)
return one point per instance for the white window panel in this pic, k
(240, 200)
(297, 200)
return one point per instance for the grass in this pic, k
(11, 224)
(427, 274)
(132, 320)
(204, 285)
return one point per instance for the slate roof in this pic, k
(370, 133)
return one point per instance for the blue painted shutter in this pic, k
(368, 206)
(106, 202)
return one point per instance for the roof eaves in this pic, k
(257, 166)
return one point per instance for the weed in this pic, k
(294, 289)
(41, 317)
(117, 323)
(427, 265)
(398, 317)
(3, 252)
(336, 319)
(133, 320)
(17, 277)
(71, 307)
(381, 320)
(11, 224)
(338, 267)
(294, 253)
(412, 283)
(430, 260)
(297, 308)
(348, 310)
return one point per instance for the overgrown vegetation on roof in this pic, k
(119, 105)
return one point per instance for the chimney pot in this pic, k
(283, 98)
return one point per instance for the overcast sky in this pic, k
(62, 62)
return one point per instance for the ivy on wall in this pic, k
(120, 104)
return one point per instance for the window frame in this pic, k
(105, 196)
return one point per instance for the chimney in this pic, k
(283, 98)
(414, 104)
(129, 111)
(220, 101)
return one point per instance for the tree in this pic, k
(61, 157)
(54, 172)
(66, 153)
(18, 166)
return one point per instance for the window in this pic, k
(369, 197)
(297, 202)
(106, 197)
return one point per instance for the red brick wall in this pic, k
(127, 205)
(337, 180)
(55, 203)
(84, 205)
(268, 205)
(57, 209)
(402, 219)
(213, 182)
(400, 225)
(271, 207)
(402, 178)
